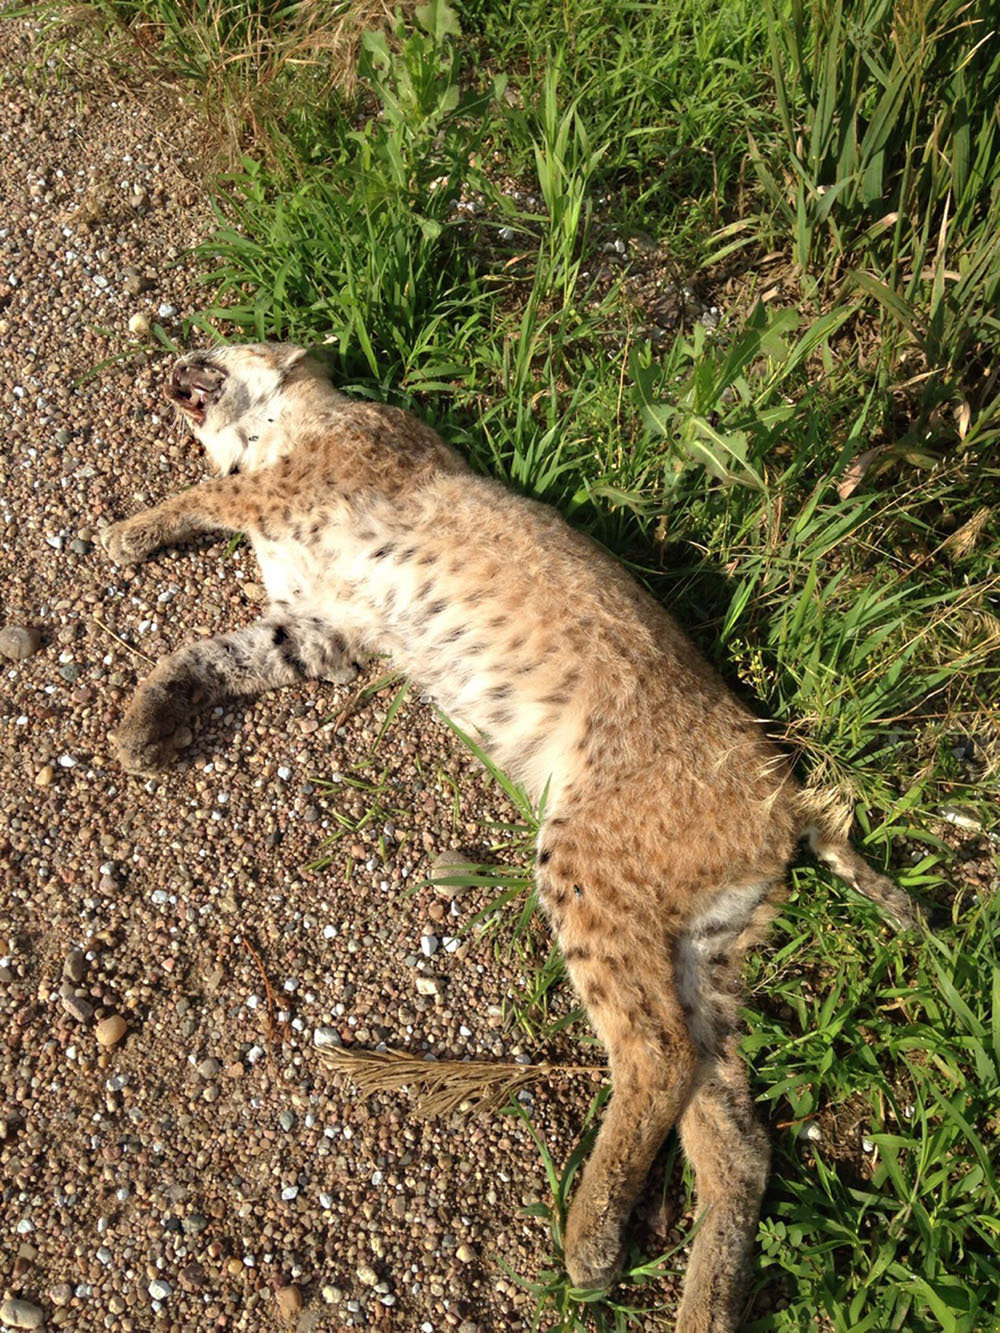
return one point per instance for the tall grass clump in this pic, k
(887, 178)
(358, 255)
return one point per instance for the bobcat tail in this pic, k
(825, 831)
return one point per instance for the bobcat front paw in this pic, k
(129, 542)
(149, 737)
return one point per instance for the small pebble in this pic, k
(18, 642)
(138, 325)
(449, 865)
(74, 966)
(135, 283)
(160, 1289)
(289, 1301)
(111, 1030)
(79, 1008)
(21, 1314)
(367, 1275)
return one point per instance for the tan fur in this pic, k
(669, 820)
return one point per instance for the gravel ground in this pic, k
(163, 1162)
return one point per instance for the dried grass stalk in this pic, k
(441, 1087)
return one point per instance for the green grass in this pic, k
(812, 486)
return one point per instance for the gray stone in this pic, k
(74, 966)
(18, 642)
(135, 282)
(77, 1007)
(21, 1314)
(450, 865)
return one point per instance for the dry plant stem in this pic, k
(124, 643)
(444, 1086)
(272, 1022)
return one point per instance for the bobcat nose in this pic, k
(193, 386)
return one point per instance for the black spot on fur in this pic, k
(578, 955)
(279, 635)
(436, 608)
(383, 551)
(577, 891)
(544, 856)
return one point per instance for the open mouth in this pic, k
(193, 388)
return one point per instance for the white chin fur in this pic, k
(225, 449)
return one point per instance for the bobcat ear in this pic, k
(286, 355)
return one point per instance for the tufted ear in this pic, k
(286, 355)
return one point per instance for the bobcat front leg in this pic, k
(225, 503)
(281, 649)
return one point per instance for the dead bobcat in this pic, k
(670, 818)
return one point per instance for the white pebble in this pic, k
(166, 310)
(813, 1132)
(428, 945)
(160, 1289)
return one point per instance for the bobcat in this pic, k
(669, 819)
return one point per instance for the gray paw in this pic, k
(341, 674)
(148, 739)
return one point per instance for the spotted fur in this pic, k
(670, 818)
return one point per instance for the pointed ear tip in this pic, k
(290, 353)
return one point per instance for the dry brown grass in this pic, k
(442, 1087)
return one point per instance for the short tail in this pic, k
(825, 830)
